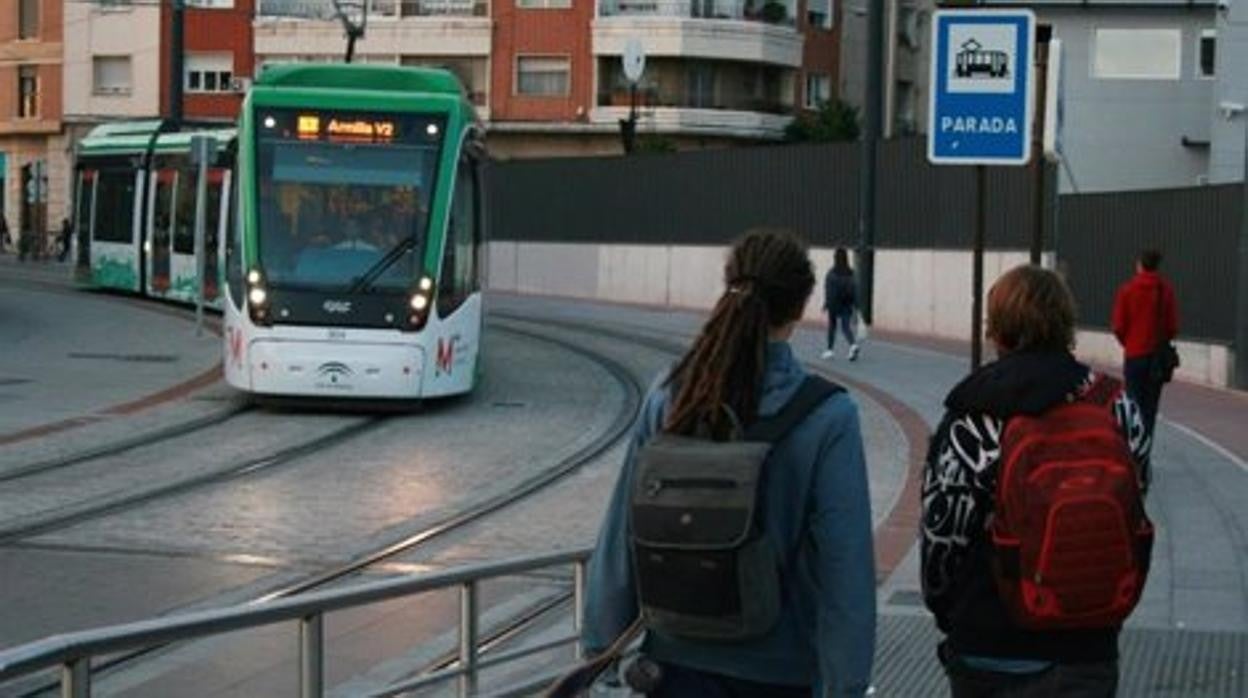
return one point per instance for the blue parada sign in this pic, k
(982, 96)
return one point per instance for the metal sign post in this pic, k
(634, 63)
(1241, 304)
(981, 110)
(203, 148)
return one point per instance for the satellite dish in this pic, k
(634, 60)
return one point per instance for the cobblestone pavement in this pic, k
(1188, 637)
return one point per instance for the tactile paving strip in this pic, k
(1154, 663)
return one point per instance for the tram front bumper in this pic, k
(293, 367)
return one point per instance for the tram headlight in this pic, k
(258, 296)
(253, 277)
(419, 302)
(426, 284)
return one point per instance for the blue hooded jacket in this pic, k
(817, 512)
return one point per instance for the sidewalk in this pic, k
(73, 360)
(1194, 614)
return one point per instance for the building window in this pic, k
(111, 74)
(209, 72)
(543, 4)
(211, 4)
(818, 90)
(1206, 66)
(819, 13)
(543, 76)
(908, 31)
(28, 19)
(1137, 54)
(27, 92)
(700, 86)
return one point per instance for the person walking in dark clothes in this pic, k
(988, 652)
(840, 300)
(1145, 320)
(4, 233)
(66, 232)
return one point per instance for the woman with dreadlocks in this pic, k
(812, 501)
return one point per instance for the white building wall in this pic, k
(122, 30)
(1227, 160)
(921, 292)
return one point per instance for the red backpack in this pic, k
(1071, 540)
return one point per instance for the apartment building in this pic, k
(217, 60)
(907, 61)
(118, 59)
(546, 75)
(31, 142)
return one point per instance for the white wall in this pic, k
(925, 292)
(122, 30)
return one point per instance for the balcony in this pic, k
(760, 31)
(378, 9)
(697, 97)
(395, 27)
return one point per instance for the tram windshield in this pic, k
(344, 198)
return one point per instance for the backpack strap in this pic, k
(812, 393)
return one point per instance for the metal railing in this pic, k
(768, 11)
(73, 652)
(377, 9)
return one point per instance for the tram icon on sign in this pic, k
(974, 61)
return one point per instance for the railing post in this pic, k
(578, 605)
(312, 656)
(468, 639)
(76, 678)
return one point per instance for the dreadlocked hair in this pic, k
(768, 279)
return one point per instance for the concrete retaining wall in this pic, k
(926, 292)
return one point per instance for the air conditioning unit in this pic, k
(240, 85)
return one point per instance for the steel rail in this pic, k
(151, 438)
(105, 506)
(311, 633)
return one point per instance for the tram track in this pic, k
(618, 429)
(133, 443)
(541, 609)
(81, 512)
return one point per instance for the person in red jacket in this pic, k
(1146, 318)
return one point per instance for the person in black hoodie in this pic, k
(1031, 315)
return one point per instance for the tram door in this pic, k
(113, 243)
(215, 214)
(84, 214)
(160, 233)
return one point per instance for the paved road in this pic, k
(1187, 639)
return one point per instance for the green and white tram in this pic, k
(354, 267)
(134, 208)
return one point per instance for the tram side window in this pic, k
(212, 224)
(233, 260)
(83, 203)
(458, 277)
(162, 218)
(114, 207)
(184, 214)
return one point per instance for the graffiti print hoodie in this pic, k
(959, 487)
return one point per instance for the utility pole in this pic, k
(177, 55)
(872, 109)
(1241, 304)
(1039, 165)
(353, 31)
